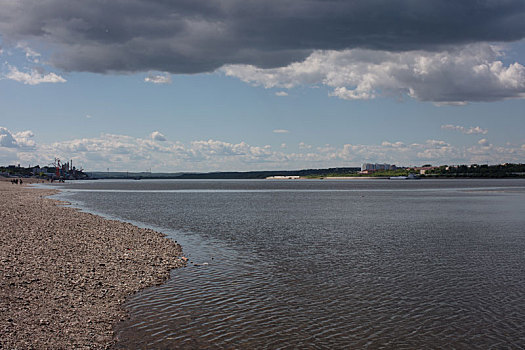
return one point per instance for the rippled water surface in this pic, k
(327, 264)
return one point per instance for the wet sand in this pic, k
(64, 274)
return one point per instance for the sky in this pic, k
(238, 85)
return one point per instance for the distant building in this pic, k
(366, 172)
(376, 167)
(280, 177)
(425, 169)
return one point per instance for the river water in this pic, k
(326, 264)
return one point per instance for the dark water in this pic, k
(328, 264)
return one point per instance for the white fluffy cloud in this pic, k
(454, 76)
(468, 131)
(24, 139)
(122, 152)
(157, 136)
(16, 147)
(430, 151)
(484, 143)
(158, 78)
(21, 139)
(7, 139)
(281, 131)
(33, 77)
(303, 145)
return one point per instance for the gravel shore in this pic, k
(64, 274)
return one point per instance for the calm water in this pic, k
(327, 264)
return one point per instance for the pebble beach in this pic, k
(64, 274)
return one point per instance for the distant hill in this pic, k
(223, 175)
(130, 175)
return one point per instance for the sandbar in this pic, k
(64, 274)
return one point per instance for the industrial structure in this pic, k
(54, 171)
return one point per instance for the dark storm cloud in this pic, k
(191, 36)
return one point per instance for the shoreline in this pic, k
(64, 274)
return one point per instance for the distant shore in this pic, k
(64, 274)
(348, 178)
